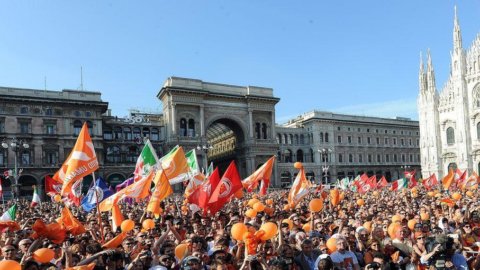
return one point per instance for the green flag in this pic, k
(146, 161)
(10, 214)
(192, 161)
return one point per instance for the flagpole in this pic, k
(98, 206)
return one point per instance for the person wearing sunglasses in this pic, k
(9, 252)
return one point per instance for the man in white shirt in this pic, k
(343, 258)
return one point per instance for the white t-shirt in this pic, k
(345, 260)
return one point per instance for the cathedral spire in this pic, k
(430, 73)
(457, 35)
(421, 76)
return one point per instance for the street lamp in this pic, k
(204, 147)
(324, 154)
(15, 145)
(405, 168)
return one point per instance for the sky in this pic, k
(352, 57)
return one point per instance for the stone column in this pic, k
(202, 121)
(174, 120)
(250, 123)
(273, 134)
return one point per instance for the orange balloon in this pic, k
(148, 224)
(269, 210)
(269, 202)
(360, 202)
(376, 193)
(469, 193)
(334, 197)
(306, 227)
(424, 216)
(253, 201)
(57, 198)
(127, 225)
(368, 226)
(181, 251)
(316, 205)
(414, 190)
(298, 165)
(251, 213)
(270, 230)
(392, 230)
(396, 218)
(289, 222)
(10, 265)
(332, 244)
(43, 255)
(238, 230)
(239, 194)
(259, 207)
(411, 224)
(456, 196)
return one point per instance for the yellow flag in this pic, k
(175, 166)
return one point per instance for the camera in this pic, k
(445, 246)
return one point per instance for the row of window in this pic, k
(359, 158)
(386, 141)
(385, 131)
(50, 112)
(292, 139)
(128, 134)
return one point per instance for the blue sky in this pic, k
(355, 57)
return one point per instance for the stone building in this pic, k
(347, 145)
(450, 119)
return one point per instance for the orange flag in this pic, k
(263, 175)
(81, 162)
(162, 190)
(300, 188)
(175, 166)
(137, 190)
(70, 223)
(448, 180)
(83, 267)
(116, 241)
(334, 197)
(54, 232)
(117, 217)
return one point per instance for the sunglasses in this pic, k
(420, 238)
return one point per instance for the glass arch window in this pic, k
(450, 136)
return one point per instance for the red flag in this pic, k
(382, 183)
(430, 182)
(410, 175)
(229, 184)
(460, 178)
(372, 182)
(202, 194)
(52, 186)
(364, 183)
(75, 195)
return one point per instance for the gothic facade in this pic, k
(450, 118)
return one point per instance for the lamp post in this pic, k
(15, 145)
(204, 147)
(324, 154)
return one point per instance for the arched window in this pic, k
(287, 156)
(146, 132)
(326, 136)
(285, 178)
(299, 155)
(132, 154)
(90, 128)
(450, 136)
(340, 158)
(136, 133)
(107, 133)
(113, 154)
(478, 131)
(285, 141)
(279, 138)
(51, 156)
(296, 138)
(127, 133)
(452, 166)
(264, 131)
(191, 128)
(257, 130)
(77, 127)
(155, 134)
(183, 127)
(321, 136)
(291, 139)
(117, 133)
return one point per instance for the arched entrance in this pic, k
(114, 179)
(26, 183)
(226, 140)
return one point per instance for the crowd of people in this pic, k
(377, 230)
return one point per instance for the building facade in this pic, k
(450, 119)
(347, 145)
